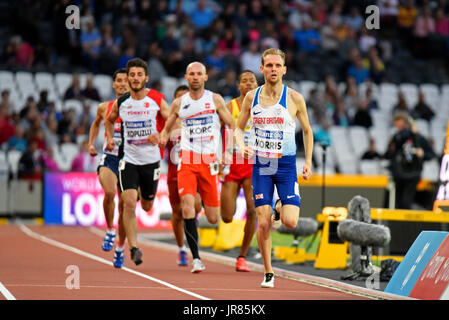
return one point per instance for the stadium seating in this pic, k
(26, 85)
(76, 105)
(103, 83)
(431, 170)
(370, 167)
(169, 85)
(423, 127)
(305, 87)
(69, 151)
(343, 156)
(63, 81)
(45, 81)
(410, 92)
(7, 81)
(359, 138)
(13, 158)
(431, 94)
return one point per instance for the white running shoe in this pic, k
(268, 280)
(198, 266)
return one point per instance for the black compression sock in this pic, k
(192, 236)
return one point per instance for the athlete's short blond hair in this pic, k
(273, 51)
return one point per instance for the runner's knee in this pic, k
(251, 213)
(290, 222)
(264, 225)
(213, 219)
(109, 195)
(147, 205)
(129, 204)
(226, 219)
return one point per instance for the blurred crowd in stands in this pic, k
(323, 40)
(226, 35)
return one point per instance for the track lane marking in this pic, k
(5, 292)
(287, 274)
(61, 245)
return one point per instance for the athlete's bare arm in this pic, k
(301, 114)
(95, 127)
(109, 126)
(173, 116)
(165, 112)
(229, 141)
(242, 120)
(223, 112)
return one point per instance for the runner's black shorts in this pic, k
(145, 176)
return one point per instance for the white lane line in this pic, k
(5, 292)
(61, 245)
(297, 276)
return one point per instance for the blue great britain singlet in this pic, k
(272, 128)
(273, 140)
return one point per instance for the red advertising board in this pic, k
(434, 279)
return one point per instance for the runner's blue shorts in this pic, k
(109, 161)
(281, 173)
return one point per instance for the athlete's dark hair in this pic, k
(246, 71)
(136, 62)
(116, 72)
(180, 88)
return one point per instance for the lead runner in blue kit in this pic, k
(273, 108)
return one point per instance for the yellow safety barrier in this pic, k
(409, 215)
(332, 252)
(293, 254)
(207, 237)
(296, 256)
(230, 235)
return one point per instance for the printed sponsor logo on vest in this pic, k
(207, 105)
(138, 124)
(138, 113)
(278, 135)
(259, 196)
(147, 104)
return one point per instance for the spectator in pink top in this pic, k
(228, 44)
(441, 23)
(425, 24)
(424, 29)
(24, 52)
(48, 160)
(83, 162)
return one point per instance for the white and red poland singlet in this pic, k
(140, 118)
(117, 134)
(200, 124)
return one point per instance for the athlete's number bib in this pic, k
(199, 129)
(157, 174)
(268, 143)
(121, 165)
(137, 132)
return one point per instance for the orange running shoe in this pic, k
(241, 265)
